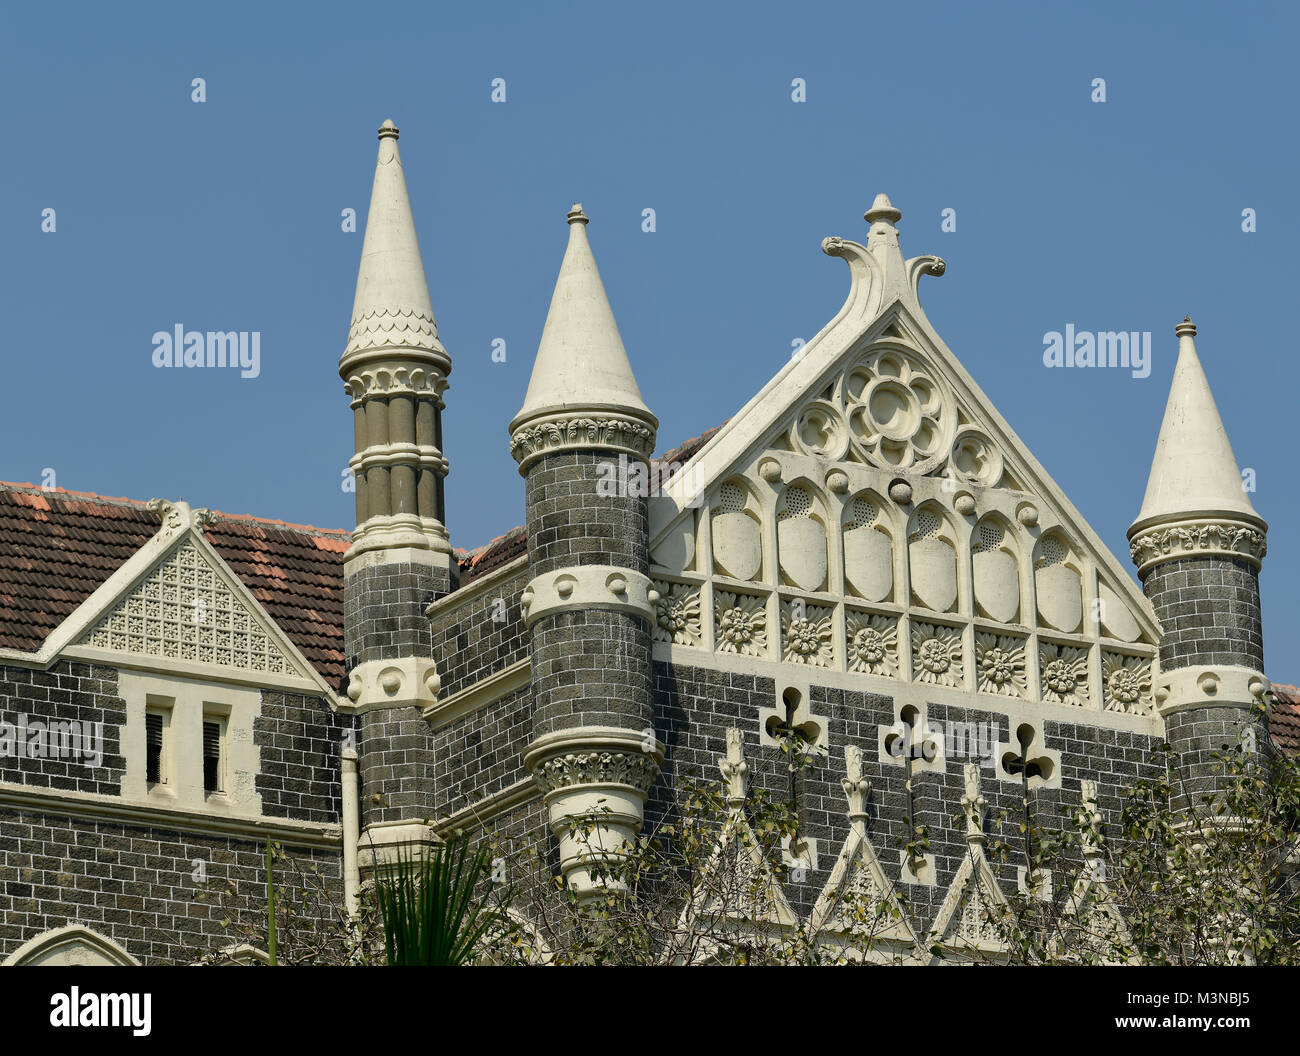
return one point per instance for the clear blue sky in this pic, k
(225, 215)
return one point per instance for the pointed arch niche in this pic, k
(71, 946)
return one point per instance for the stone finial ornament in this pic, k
(856, 787)
(734, 768)
(973, 804)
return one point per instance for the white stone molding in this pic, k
(387, 842)
(1199, 537)
(403, 682)
(484, 811)
(735, 770)
(482, 694)
(397, 538)
(188, 704)
(594, 781)
(152, 813)
(969, 920)
(71, 946)
(1209, 686)
(583, 587)
(798, 424)
(581, 430)
(856, 787)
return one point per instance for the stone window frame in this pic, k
(189, 703)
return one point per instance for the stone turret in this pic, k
(1198, 544)
(395, 370)
(589, 605)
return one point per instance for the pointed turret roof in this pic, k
(581, 363)
(392, 309)
(1194, 473)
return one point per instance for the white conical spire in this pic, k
(1194, 473)
(581, 364)
(392, 309)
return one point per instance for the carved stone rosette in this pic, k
(586, 430)
(1229, 537)
(594, 781)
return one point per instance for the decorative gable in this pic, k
(187, 610)
(871, 494)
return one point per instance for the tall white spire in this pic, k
(1195, 501)
(392, 307)
(395, 369)
(582, 370)
(1194, 471)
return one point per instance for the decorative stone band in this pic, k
(419, 539)
(387, 379)
(401, 454)
(1208, 687)
(581, 430)
(1197, 538)
(410, 681)
(594, 781)
(409, 330)
(589, 587)
(387, 842)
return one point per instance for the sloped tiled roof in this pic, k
(1285, 720)
(58, 547)
(505, 548)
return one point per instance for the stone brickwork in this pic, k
(483, 752)
(66, 692)
(1209, 612)
(571, 523)
(383, 610)
(384, 618)
(154, 891)
(590, 668)
(483, 635)
(694, 707)
(300, 738)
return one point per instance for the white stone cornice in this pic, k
(402, 682)
(1171, 539)
(588, 429)
(583, 587)
(1209, 686)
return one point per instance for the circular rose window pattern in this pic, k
(899, 416)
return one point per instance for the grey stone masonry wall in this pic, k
(384, 618)
(695, 706)
(590, 668)
(300, 740)
(383, 610)
(66, 692)
(1198, 735)
(483, 635)
(483, 752)
(1209, 612)
(571, 523)
(154, 891)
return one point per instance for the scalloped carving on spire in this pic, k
(392, 312)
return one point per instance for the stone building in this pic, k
(865, 553)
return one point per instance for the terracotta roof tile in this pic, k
(1284, 723)
(58, 547)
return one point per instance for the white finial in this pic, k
(735, 769)
(1090, 820)
(882, 209)
(973, 804)
(856, 787)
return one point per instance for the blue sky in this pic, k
(1122, 215)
